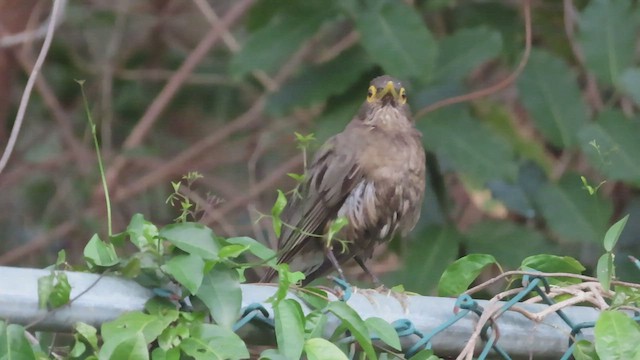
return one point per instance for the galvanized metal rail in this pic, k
(105, 298)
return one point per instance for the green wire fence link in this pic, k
(347, 289)
(465, 304)
(254, 312)
(421, 322)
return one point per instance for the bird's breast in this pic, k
(388, 198)
(394, 157)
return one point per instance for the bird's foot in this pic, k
(397, 293)
(343, 289)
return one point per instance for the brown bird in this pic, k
(372, 173)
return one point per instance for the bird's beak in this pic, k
(389, 89)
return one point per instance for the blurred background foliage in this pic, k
(220, 87)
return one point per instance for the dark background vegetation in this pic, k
(220, 87)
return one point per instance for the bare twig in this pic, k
(494, 88)
(29, 35)
(79, 152)
(55, 13)
(164, 75)
(338, 48)
(106, 81)
(264, 185)
(593, 94)
(493, 280)
(153, 112)
(231, 42)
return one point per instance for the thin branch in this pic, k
(29, 35)
(230, 41)
(493, 280)
(65, 128)
(338, 48)
(141, 130)
(264, 185)
(592, 91)
(55, 13)
(497, 87)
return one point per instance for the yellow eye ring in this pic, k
(371, 93)
(403, 96)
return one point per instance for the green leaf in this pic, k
(504, 122)
(427, 257)
(585, 350)
(132, 268)
(143, 234)
(220, 292)
(315, 298)
(62, 257)
(289, 323)
(99, 253)
(352, 321)
(316, 84)
(173, 335)
(45, 288)
(321, 349)
(267, 48)
(200, 349)
(335, 227)
(88, 333)
(465, 50)
(617, 336)
(613, 234)
(550, 93)
(188, 270)
(459, 275)
(207, 337)
(132, 347)
(276, 210)
(508, 242)
(605, 270)
(472, 147)
(314, 324)
(256, 248)
(78, 348)
(272, 354)
(162, 354)
(61, 292)
(192, 238)
(611, 144)
(131, 323)
(286, 278)
(571, 212)
(552, 263)
(497, 15)
(629, 83)
(396, 38)
(13, 343)
(384, 330)
(232, 251)
(425, 355)
(608, 37)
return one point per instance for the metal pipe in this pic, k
(108, 297)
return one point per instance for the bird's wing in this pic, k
(332, 175)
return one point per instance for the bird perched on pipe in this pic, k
(372, 174)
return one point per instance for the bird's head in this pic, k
(386, 91)
(386, 105)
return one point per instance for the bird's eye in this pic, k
(403, 96)
(372, 93)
